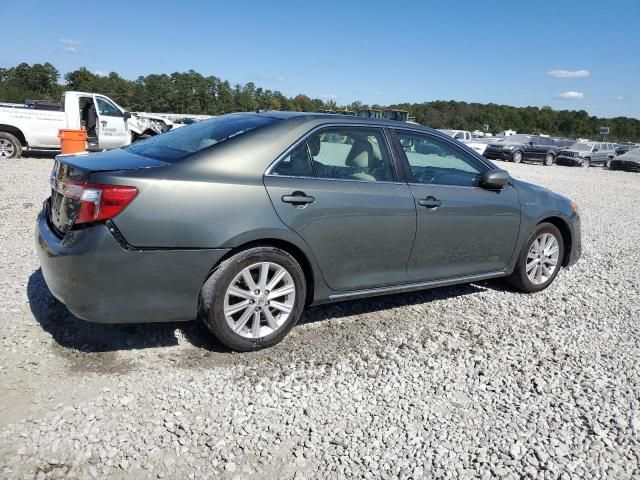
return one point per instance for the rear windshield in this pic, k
(182, 142)
(517, 139)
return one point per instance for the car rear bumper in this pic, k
(100, 281)
(498, 154)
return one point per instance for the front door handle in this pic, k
(298, 198)
(430, 202)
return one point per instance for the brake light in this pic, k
(100, 202)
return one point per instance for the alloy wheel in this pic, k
(517, 157)
(584, 163)
(542, 259)
(259, 300)
(548, 160)
(7, 149)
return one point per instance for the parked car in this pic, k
(245, 219)
(586, 154)
(624, 148)
(629, 161)
(477, 144)
(520, 147)
(35, 125)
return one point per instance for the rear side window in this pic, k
(296, 164)
(351, 153)
(182, 142)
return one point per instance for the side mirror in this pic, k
(596, 149)
(531, 143)
(126, 115)
(494, 179)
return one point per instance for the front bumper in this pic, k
(99, 281)
(571, 161)
(624, 165)
(576, 241)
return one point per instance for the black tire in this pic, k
(607, 165)
(10, 146)
(519, 278)
(213, 292)
(549, 159)
(516, 157)
(585, 163)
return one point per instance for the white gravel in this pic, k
(460, 382)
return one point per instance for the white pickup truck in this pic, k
(35, 126)
(464, 136)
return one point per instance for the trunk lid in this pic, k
(71, 172)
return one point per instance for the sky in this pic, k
(576, 55)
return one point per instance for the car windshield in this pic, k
(182, 142)
(583, 147)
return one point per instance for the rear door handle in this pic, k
(430, 202)
(298, 198)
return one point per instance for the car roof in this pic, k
(319, 118)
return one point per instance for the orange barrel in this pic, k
(72, 141)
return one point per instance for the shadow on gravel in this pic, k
(72, 333)
(387, 302)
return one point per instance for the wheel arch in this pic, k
(286, 246)
(565, 231)
(16, 132)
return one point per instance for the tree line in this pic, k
(191, 92)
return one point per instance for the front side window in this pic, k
(351, 153)
(106, 108)
(436, 162)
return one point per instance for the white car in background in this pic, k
(476, 144)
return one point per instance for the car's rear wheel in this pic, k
(254, 298)
(585, 163)
(540, 260)
(10, 146)
(549, 159)
(516, 157)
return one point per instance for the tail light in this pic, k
(102, 202)
(99, 202)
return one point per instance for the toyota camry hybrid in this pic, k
(244, 219)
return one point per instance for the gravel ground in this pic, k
(460, 382)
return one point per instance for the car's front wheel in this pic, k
(608, 164)
(549, 159)
(585, 163)
(516, 157)
(540, 260)
(254, 298)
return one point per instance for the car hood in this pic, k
(628, 158)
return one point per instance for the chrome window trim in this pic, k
(304, 138)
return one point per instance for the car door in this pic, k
(597, 153)
(112, 127)
(462, 229)
(340, 191)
